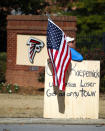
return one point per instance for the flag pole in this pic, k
(48, 15)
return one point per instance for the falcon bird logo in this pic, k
(35, 46)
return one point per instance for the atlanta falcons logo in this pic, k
(35, 45)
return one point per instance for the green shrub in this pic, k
(2, 66)
(8, 88)
(96, 54)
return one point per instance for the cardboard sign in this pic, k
(23, 51)
(81, 98)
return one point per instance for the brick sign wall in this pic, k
(27, 75)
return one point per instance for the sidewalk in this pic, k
(52, 121)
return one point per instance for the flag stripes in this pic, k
(59, 53)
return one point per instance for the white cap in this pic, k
(69, 39)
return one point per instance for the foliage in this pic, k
(4, 87)
(17, 7)
(90, 15)
(8, 88)
(25, 6)
(90, 41)
(41, 77)
(96, 54)
(2, 66)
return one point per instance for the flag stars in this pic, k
(54, 36)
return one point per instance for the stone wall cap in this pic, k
(38, 28)
(39, 17)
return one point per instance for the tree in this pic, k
(25, 6)
(90, 16)
(17, 7)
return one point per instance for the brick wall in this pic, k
(32, 25)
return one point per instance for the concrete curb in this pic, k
(52, 121)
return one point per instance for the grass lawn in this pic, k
(15, 105)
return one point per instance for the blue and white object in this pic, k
(76, 56)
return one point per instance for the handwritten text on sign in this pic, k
(81, 97)
(81, 75)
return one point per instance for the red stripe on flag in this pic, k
(55, 56)
(66, 70)
(61, 55)
(62, 67)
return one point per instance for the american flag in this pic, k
(59, 53)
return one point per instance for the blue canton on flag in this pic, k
(59, 53)
(54, 36)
